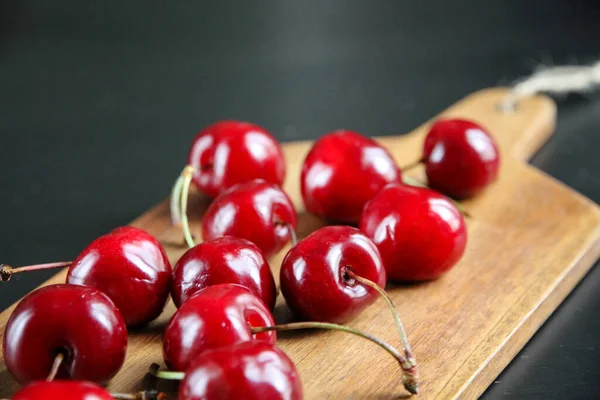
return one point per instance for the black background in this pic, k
(99, 102)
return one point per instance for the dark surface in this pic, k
(99, 102)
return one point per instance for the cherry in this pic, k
(64, 390)
(218, 315)
(223, 260)
(420, 234)
(127, 264)
(131, 267)
(77, 390)
(230, 152)
(343, 171)
(314, 274)
(332, 275)
(66, 331)
(257, 211)
(461, 158)
(248, 370)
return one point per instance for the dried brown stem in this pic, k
(6, 271)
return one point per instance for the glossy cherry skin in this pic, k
(249, 370)
(131, 267)
(420, 233)
(343, 171)
(257, 211)
(63, 390)
(80, 321)
(216, 316)
(230, 152)
(313, 274)
(461, 158)
(224, 260)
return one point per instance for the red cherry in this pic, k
(343, 171)
(249, 370)
(64, 390)
(223, 260)
(131, 267)
(79, 322)
(420, 233)
(77, 390)
(256, 211)
(231, 152)
(314, 274)
(216, 316)
(461, 158)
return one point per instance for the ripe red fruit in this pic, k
(63, 390)
(343, 171)
(314, 278)
(461, 158)
(249, 370)
(230, 152)
(131, 267)
(78, 390)
(223, 260)
(216, 316)
(420, 234)
(257, 211)
(79, 322)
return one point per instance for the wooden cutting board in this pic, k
(531, 239)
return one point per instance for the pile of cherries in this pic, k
(64, 341)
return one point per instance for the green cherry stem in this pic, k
(6, 271)
(412, 165)
(415, 182)
(290, 229)
(175, 200)
(167, 375)
(143, 395)
(293, 235)
(55, 366)
(187, 175)
(408, 180)
(396, 315)
(409, 371)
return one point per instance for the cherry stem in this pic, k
(6, 271)
(409, 371)
(168, 375)
(143, 395)
(175, 199)
(187, 175)
(412, 165)
(415, 182)
(292, 232)
(399, 326)
(408, 180)
(290, 229)
(55, 366)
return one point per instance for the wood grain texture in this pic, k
(531, 239)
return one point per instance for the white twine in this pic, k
(555, 80)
